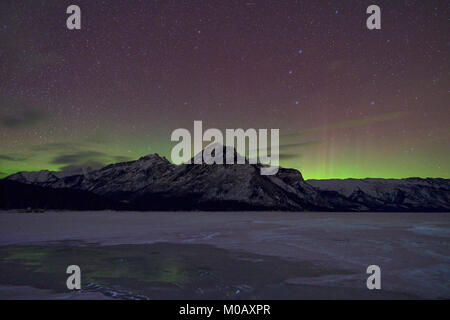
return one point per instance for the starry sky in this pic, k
(349, 102)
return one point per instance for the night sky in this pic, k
(349, 102)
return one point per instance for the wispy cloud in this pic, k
(75, 158)
(82, 166)
(22, 119)
(9, 157)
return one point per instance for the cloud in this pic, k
(289, 146)
(5, 157)
(85, 161)
(25, 118)
(83, 167)
(78, 157)
(290, 150)
(12, 157)
(74, 156)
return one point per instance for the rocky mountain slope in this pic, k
(412, 194)
(17, 195)
(153, 183)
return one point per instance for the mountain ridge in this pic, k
(153, 183)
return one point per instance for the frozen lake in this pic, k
(239, 255)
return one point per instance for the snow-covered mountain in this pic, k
(412, 194)
(115, 178)
(37, 177)
(153, 183)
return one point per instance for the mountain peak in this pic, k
(153, 157)
(216, 151)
